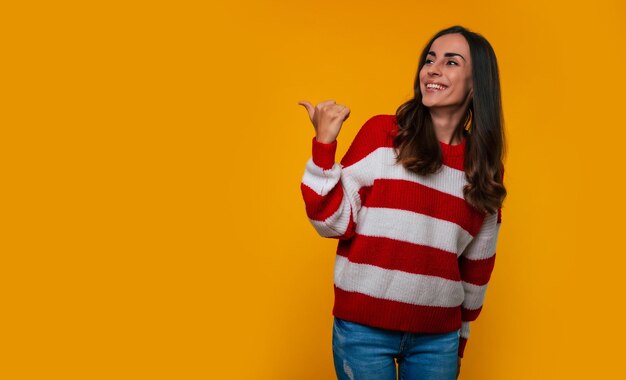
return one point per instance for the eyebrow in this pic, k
(446, 54)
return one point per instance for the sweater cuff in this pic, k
(324, 154)
(462, 343)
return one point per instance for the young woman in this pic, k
(416, 206)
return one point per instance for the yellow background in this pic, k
(151, 158)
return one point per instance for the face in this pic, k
(448, 65)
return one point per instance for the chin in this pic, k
(426, 103)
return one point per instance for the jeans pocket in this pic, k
(351, 326)
(341, 324)
(354, 329)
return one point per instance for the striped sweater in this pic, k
(412, 254)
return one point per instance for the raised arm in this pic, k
(331, 190)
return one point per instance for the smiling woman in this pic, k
(447, 81)
(415, 204)
(457, 98)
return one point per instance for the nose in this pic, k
(433, 70)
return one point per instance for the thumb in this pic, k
(309, 107)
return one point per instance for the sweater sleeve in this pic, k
(331, 190)
(476, 265)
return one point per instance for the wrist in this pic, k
(325, 139)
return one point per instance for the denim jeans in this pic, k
(368, 353)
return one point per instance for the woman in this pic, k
(416, 206)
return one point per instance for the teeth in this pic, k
(438, 87)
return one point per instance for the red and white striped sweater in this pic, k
(413, 255)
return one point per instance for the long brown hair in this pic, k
(418, 148)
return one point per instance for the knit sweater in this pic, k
(412, 254)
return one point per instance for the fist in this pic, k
(327, 118)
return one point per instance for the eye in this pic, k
(455, 63)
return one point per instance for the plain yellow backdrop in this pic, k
(151, 158)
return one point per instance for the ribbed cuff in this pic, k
(462, 343)
(324, 154)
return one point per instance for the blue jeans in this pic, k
(368, 353)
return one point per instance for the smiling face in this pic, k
(446, 77)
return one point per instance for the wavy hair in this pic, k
(418, 148)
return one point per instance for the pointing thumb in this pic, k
(309, 107)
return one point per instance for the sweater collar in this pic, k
(453, 150)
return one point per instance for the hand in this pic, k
(327, 118)
(458, 370)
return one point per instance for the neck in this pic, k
(446, 125)
(447, 121)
